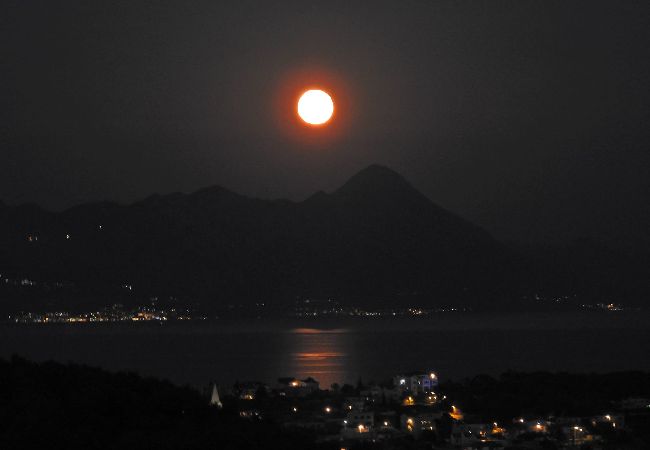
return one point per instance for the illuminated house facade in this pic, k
(416, 383)
(419, 422)
(295, 387)
(357, 424)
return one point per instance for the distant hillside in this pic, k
(375, 237)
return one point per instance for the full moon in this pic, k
(315, 107)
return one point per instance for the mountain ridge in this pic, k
(376, 236)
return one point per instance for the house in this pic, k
(536, 426)
(310, 384)
(416, 382)
(297, 388)
(355, 418)
(355, 403)
(634, 403)
(609, 421)
(576, 435)
(358, 425)
(249, 390)
(418, 422)
(464, 434)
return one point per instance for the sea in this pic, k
(344, 350)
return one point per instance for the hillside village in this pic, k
(411, 409)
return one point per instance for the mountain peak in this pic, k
(378, 171)
(376, 179)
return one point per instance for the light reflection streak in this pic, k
(319, 353)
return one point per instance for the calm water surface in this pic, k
(455, 345)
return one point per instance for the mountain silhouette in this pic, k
(375, 238)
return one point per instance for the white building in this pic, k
(416, 383)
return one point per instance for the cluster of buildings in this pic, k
(115, 313)
(412, 408)
(309, 308)
(28, 282)
(538, 433)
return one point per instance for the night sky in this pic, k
(528, 118)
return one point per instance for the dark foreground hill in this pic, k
(375, 237)
(55, 406)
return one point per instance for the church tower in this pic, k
(214, 399)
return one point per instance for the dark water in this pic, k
(454, 345)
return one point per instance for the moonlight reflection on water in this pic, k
(320, 354)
